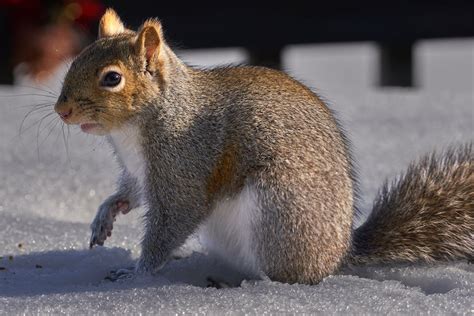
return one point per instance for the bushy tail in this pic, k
(425, 215)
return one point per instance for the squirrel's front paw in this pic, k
(129, 273)
(121, 274)
(103, 222)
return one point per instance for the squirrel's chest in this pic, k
(128, 148)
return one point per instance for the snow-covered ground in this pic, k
(52, 181)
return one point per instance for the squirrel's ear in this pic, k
(149, 43)
(110, 24)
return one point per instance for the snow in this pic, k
(52, 183)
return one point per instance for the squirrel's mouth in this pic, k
(92, 128)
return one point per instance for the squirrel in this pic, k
(253, 161)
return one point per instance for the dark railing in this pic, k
(264, 30)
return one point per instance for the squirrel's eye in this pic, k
(111, 79)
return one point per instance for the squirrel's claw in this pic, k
(218, 284)
(120, 274)
(103, 222)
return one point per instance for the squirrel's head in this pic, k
(114, 77)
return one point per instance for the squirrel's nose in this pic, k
(65, 114)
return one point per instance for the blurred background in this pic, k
(396, 40)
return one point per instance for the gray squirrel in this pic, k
(255, 162)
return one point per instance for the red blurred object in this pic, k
(91, 11)
(45, 33)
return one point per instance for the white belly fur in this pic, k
(230, 230)
(127, 145)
